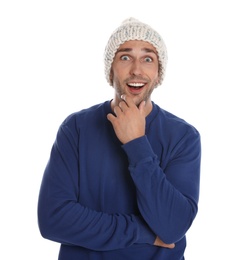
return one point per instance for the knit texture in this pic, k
(133, 29)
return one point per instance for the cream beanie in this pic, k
(133, 29)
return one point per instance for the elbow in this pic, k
(173, 235)
(175, 230)
(46, 224)
(48, 229)
(44, 228)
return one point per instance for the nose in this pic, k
(136, 68)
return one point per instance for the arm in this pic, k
(167, 199)
(63, 219)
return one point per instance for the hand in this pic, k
(159, 242)
(129, 122)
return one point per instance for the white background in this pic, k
(51, 64)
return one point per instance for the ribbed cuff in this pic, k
(138, 149)
(146, 236)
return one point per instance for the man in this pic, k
(122, 181)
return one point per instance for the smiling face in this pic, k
(135, 71)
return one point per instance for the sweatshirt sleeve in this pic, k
(63, 219)
(167, 200)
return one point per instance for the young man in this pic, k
(122, 181)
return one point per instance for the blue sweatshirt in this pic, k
(104, 200)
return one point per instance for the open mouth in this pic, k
(136, 86)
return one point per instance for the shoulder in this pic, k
(180, 136)
(175, 124)
(86, 114)
(85, 120)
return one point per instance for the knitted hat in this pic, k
(132, 29)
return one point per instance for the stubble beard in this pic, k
(137, 100)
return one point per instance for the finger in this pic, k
(117, 110)
(129, 101)
(123, 105)
(159, 242)
(171, 246)
(111, 117)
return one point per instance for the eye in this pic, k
(125, 57)
(148, 59)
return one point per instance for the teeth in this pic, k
(136, 84)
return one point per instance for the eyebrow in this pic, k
(148, 50)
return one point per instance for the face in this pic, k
(135, 71)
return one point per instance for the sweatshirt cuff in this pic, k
(138, 150)
(146, 236)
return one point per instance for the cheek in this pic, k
(119, 69)
(117, 76)
(157, 78)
